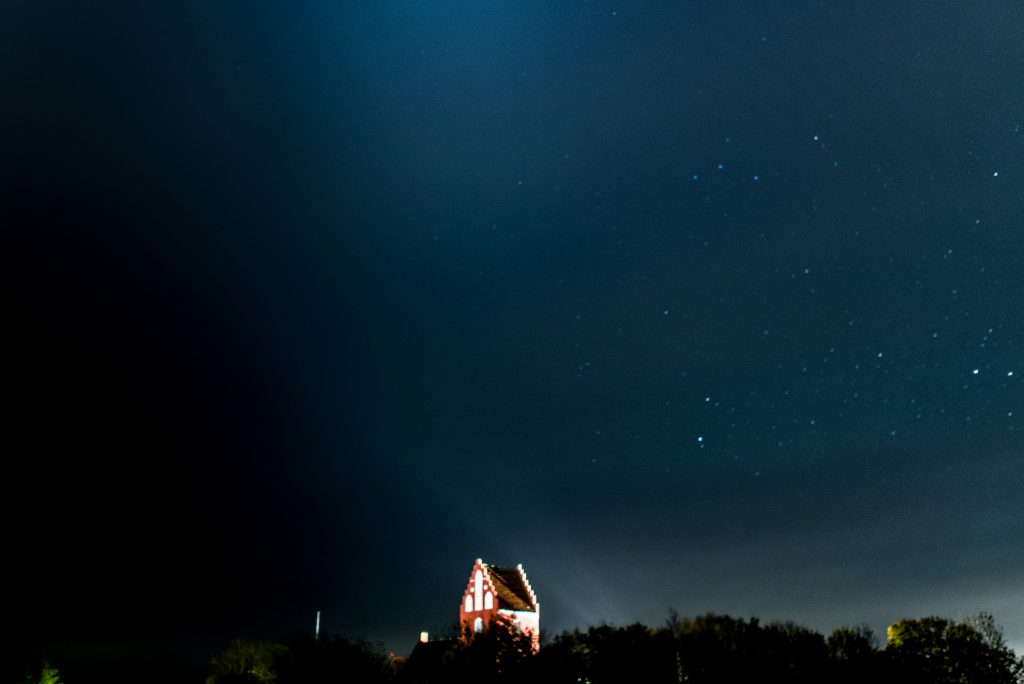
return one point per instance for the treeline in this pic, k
(709, 649)
(713, 649)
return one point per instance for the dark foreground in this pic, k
(707, 649)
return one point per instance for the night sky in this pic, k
(713, 306)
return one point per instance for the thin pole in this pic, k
(318, 625)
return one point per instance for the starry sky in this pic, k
(704, 306)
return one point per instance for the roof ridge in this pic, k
(513, 582)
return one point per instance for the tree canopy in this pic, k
(707, 649)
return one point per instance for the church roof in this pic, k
(511, 586)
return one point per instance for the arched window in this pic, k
(478, 591)
(488, 601)
(478, 625)
(469, 603)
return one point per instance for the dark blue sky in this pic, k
(713, 306)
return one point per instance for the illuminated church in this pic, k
(499, 595)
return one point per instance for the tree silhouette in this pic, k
(708, 649)
(47, 675)
(935, 650)
(717, 648)
(331, 658)
(854, 655)
(499, 653)
(789, 652)
(245, 662)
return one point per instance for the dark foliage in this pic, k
(331, 659)
(708, 649)
(495, 655)
(300, 658)
(938, 650)
(854, 656)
